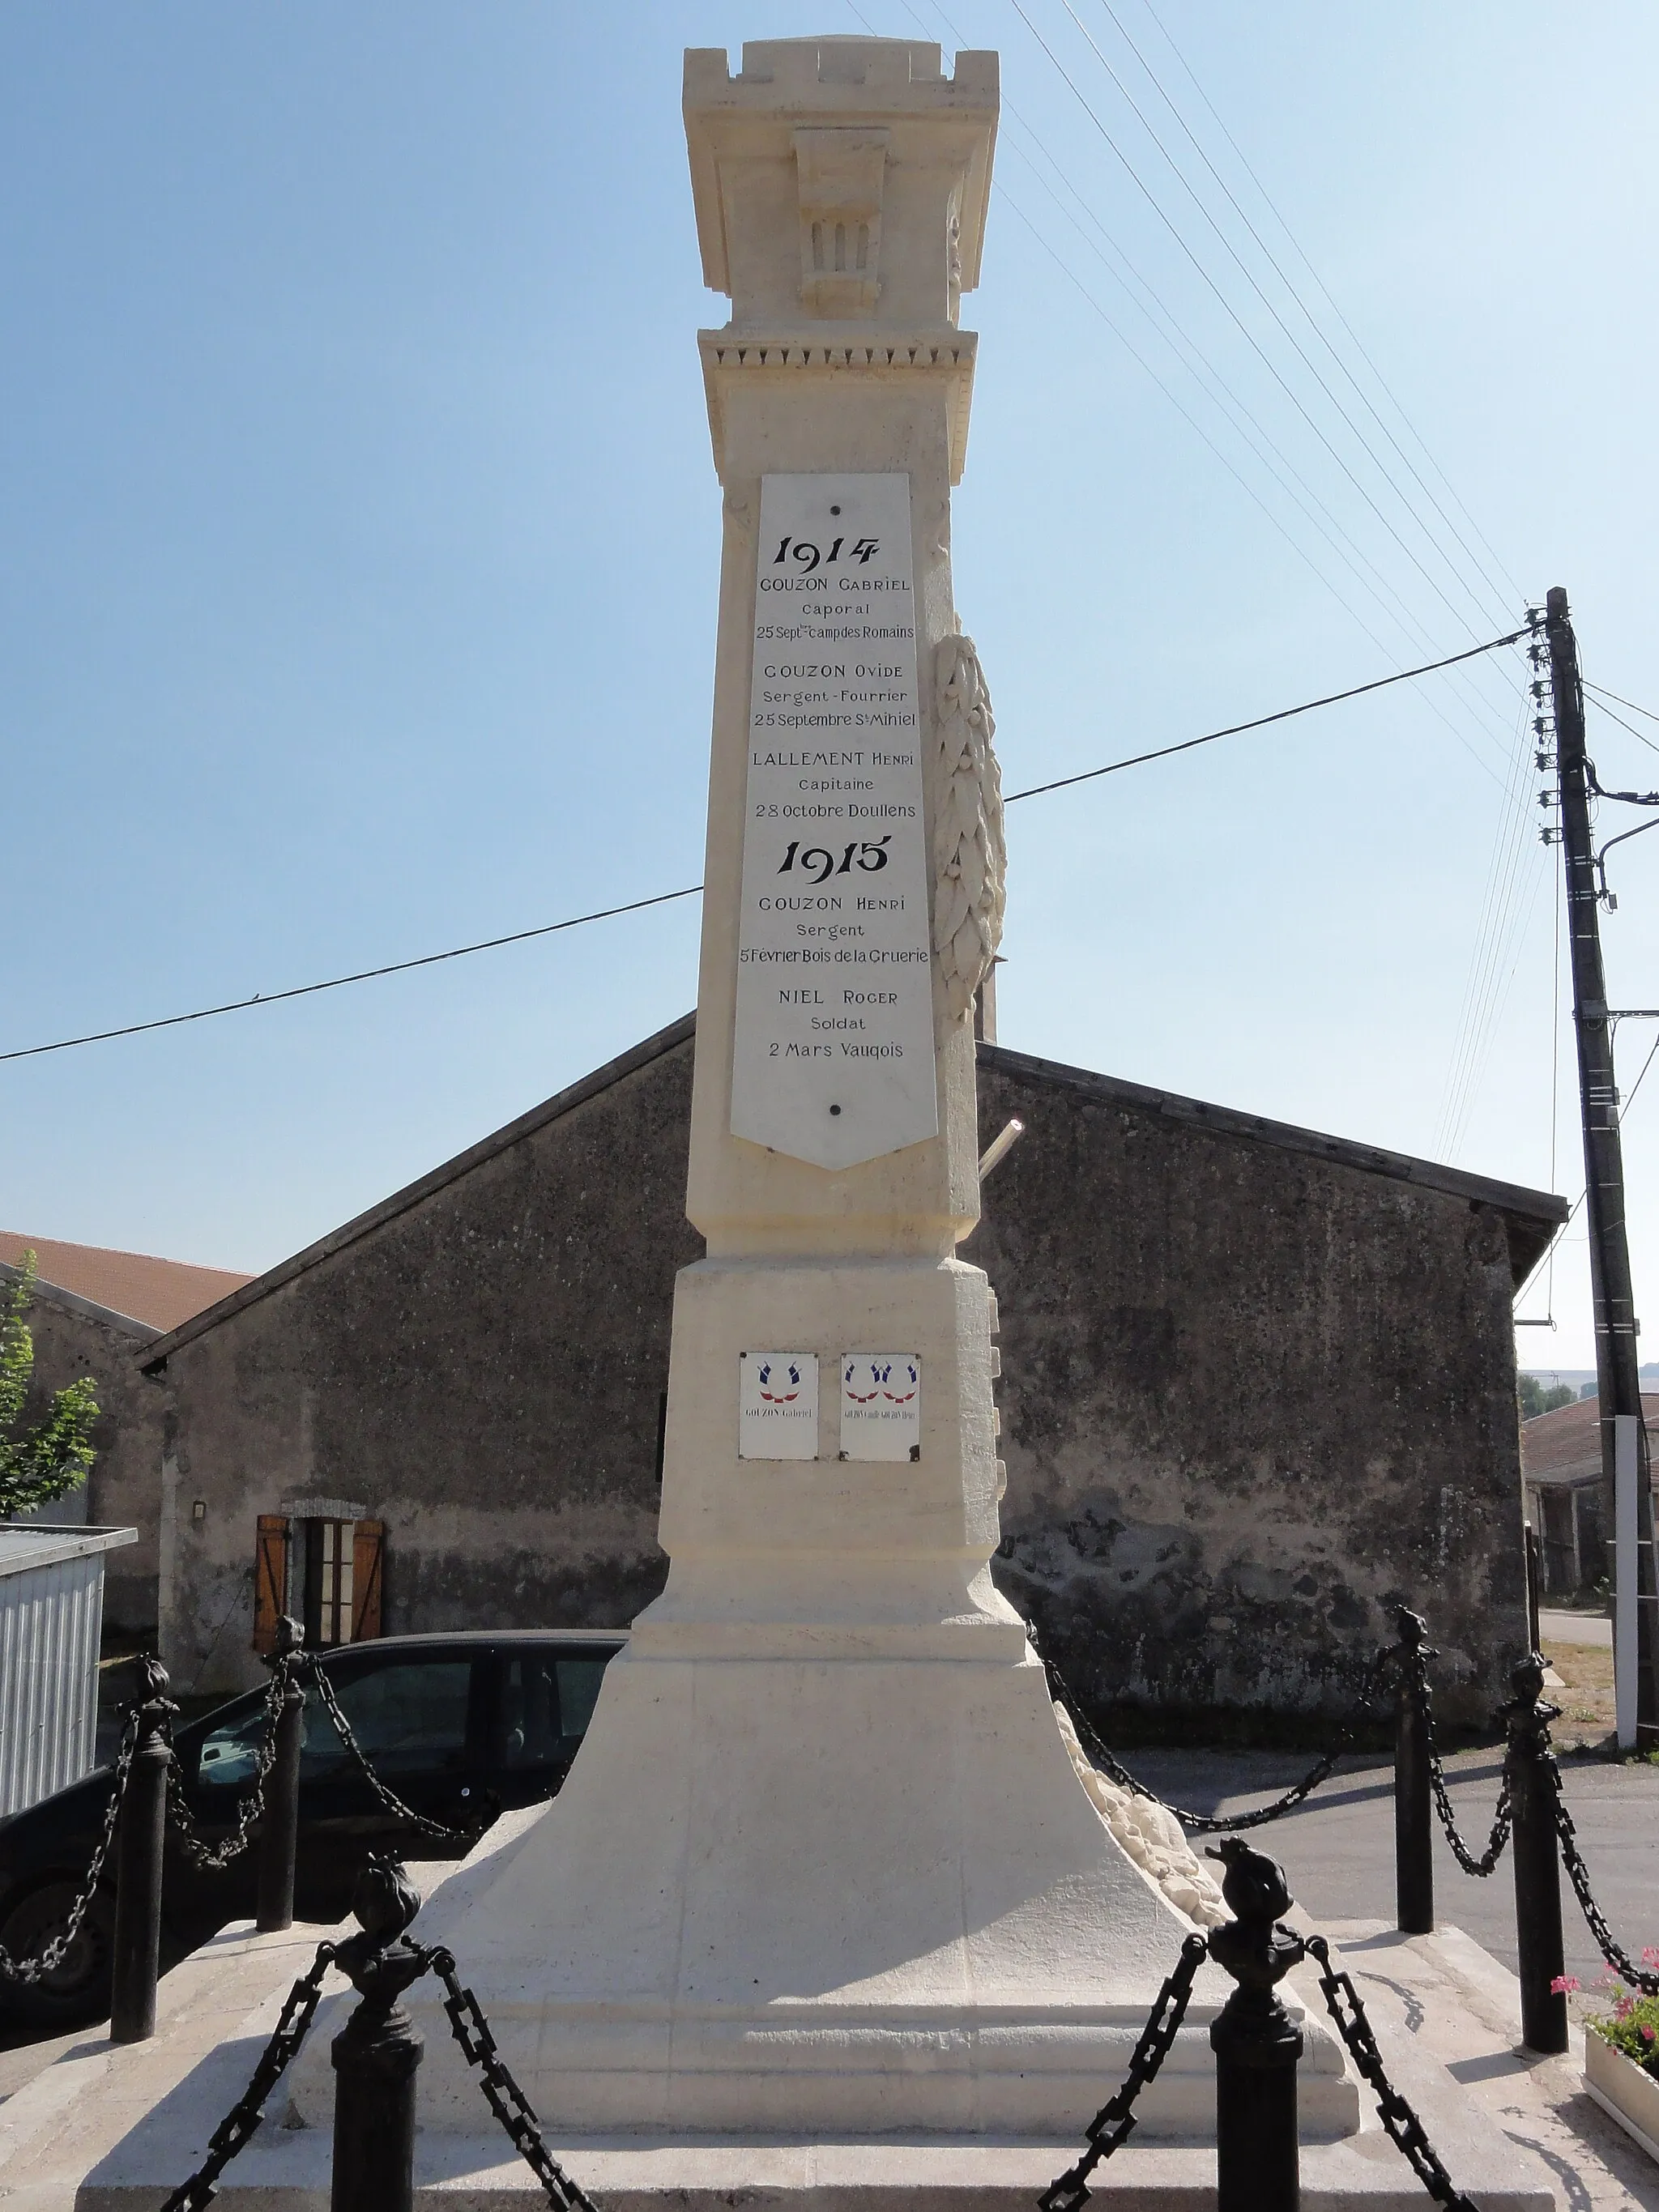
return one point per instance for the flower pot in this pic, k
(1621, 2087)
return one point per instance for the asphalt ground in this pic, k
(1337, 1847)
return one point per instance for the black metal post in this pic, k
(1255, 2041)
(1413, 1802)
(1530, 1772)
(279, 1830)
(377, 2053)
(137, 1946)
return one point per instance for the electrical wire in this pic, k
(1271, 207)
(1572, 1210)
(1227, 307)
(1283, 327)
(1505, 590)
(1216, 389)
(665, 898)
(1284, 714)
(1631, 703)
(362, 976)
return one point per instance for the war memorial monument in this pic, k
(831, 1911)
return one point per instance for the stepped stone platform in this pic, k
(99, 2130)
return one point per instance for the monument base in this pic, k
(825, 1897)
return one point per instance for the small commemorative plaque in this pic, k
(777, 1405)
(881, 1406)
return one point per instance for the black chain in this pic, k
(1115, 2122)
(194, 1845)
(1414, 1657)
(1578, 1874)
(242, 2120)
(501, 2093)
(1400, 2121)
(47, 1962)
(388, 1798)
(1209, 1824)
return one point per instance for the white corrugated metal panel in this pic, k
(51, 1606)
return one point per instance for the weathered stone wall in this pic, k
(482, 1372)
(1251, 1400)
(72, 1338)
(1251, 1396)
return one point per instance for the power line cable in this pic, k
(1229, 405)
(1284, 714)
(1268, 202)
(665, 898)
(1232, 406)
(1503, 591)
(361, 975)
(1631, 703)
(1231, 311)
(1284, 329)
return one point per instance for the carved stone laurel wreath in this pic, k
(969, 864)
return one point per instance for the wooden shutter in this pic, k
(269, 1579)
(367, 1557)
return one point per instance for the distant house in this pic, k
(92, 1310)
(1258, 1388)
(1561, 1466)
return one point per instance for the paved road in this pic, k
(1337, 1847)
(1575, 1628)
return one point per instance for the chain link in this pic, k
(242, 2120)
(501, 2093)
(195, 1845)
(388, 1798)
(1414, 1661)
(1115, 2122)
(47, 1962)
(1578, 1874)
(1209, 1824)
(1401, 2125)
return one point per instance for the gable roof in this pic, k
(1531, 1216)
(131, 1286)
(1565, 1445)
(365, 1225)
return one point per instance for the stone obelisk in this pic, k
(824, 1863)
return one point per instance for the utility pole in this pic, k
(1617, 1360)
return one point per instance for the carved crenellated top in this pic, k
(838, 180)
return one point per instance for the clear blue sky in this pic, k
(349, 388)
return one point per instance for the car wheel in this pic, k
(78, 1988)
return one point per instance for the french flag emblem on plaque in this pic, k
(881, 1405)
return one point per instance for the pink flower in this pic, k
(1564, 1983)
(1623, 2009)
(1647, 2035)
(1650, 1954)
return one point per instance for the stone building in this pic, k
(94, 1311)
(1561, 1463)
(1258, 1385)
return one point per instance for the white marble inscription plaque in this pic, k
(880, 1405)
(833, 1055)
(777, 1405)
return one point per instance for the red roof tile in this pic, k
(162, 1292)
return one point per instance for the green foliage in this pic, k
(1535, 1398)
(39, 1465)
